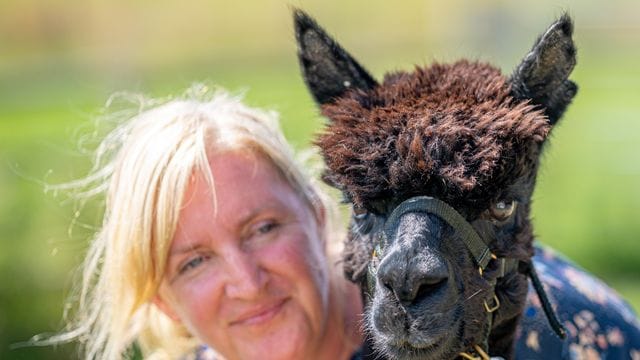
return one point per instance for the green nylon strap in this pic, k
(467, 233)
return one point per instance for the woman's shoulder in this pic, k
(203, 352)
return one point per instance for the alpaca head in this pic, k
(461, 137)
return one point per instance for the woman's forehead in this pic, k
(240, 184)
(204, 219)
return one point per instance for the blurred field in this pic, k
(62, 60)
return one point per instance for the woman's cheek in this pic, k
(302, 260)
(295, 252)
(198, 294)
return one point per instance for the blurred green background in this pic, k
(60, 61)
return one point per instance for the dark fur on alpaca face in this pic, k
(462, 133)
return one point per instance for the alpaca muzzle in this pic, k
(479, 250)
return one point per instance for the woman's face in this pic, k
(247, 274)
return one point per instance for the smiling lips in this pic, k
(260, 314)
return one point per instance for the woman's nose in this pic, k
(245, 277)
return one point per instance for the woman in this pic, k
(211, 235)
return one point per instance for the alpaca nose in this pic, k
(413, 279)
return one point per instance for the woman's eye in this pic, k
(266, 227)
(502, 210)
(192, 264)
(260, 233)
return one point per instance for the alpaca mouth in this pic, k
(425, 337)
(415, 348)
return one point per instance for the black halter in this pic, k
(478, 248)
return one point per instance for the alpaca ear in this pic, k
(543, 75)
(327, 68)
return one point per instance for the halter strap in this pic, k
(478, 248)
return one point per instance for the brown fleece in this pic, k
(447, 130)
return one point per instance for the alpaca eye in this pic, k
(502, 210)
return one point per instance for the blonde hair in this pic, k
(143, 166)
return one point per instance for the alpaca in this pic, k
(439, 165)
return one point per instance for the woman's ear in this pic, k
(165, 308)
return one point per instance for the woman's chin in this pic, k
(271, 349)
(281, 336)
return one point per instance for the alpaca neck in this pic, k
(512, 291)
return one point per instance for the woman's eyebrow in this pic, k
(241, 223)
(271, 204)
(185, 248)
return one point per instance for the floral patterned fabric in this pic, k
(599, 324)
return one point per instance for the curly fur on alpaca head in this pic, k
(453, 131)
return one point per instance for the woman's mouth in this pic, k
(260, 314)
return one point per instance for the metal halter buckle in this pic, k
(481, 354)
(494, 307)
(493, 257)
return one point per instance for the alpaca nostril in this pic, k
(387, 282)
(428, 287)
(413, 292)
(414, 283)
